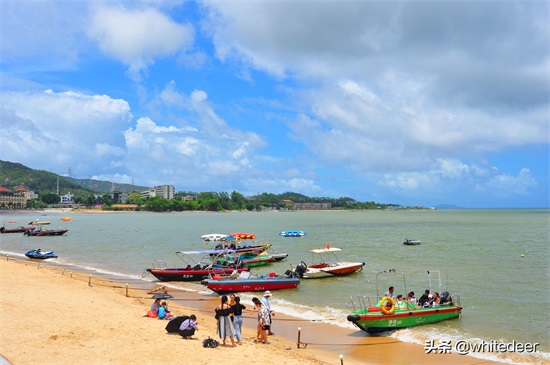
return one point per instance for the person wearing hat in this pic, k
(430, 301)
(265, 302)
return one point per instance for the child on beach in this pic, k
(164, 313)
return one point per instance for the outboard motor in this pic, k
(446, 298)
(301, 269)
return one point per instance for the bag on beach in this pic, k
(210, 342)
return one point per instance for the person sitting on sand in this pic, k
(155, 306)
(188, 327)
(164, 313)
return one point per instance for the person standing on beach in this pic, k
(225, 327)
(237, 310)
(263, 320)
(265, 302)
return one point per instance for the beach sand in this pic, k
(52, 316)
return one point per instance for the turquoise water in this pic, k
(505, 296)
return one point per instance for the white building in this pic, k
(164, 191)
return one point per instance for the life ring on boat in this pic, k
(238, 240)
(385, 309)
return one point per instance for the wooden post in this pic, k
(126, 289)
(90, 280)
(341, 359)
(299, 334)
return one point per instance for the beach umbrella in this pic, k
(243, 235)
(214, 237)
(162, 296)
(174, 325)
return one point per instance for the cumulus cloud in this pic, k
(67, 127)
(137, 37)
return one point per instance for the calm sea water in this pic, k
(505, 296)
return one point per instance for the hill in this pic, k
(15, 174)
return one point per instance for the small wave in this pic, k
(421, 335)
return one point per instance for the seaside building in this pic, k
(164, 191)
(13, 200)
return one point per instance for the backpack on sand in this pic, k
(210, 342)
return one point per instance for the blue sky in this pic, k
(407, 102)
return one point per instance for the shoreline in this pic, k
(75, 302)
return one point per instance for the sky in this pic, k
(397, 102)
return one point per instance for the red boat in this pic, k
(198, 265)
(246, 282)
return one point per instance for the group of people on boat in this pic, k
(427, 300)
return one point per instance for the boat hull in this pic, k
(52, 232)
(376, 321)
(182, 274)
(246, 285)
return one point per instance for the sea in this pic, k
(496, 262)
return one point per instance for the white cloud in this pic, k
(136, 37)
(65, 129)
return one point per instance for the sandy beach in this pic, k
(52, 316)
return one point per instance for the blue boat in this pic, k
(292, 233)
(39, 254)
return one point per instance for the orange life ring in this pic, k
(385, 309)
(238, 240)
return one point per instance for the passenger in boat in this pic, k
(390, 292)
(411, 298)
(188, 327)
(424, 298)
(436, 300)
(430, 301)
(400, 303)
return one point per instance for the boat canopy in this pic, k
(205, 252)
(326, 250)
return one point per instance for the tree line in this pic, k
(206, 201)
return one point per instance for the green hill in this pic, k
(13, 175)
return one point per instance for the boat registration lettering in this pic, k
(394, 322)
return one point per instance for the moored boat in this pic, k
(20, 229)
(380, 314)
(41, 255)
(198, 265)
(246, 282)
(41, 231)
(325, 263)
(409, 242)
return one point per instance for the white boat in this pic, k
(409, 242)
(325, 263)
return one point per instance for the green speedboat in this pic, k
(373, 320)
(385, 315)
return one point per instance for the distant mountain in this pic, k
(15, 174)
(99, 186)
